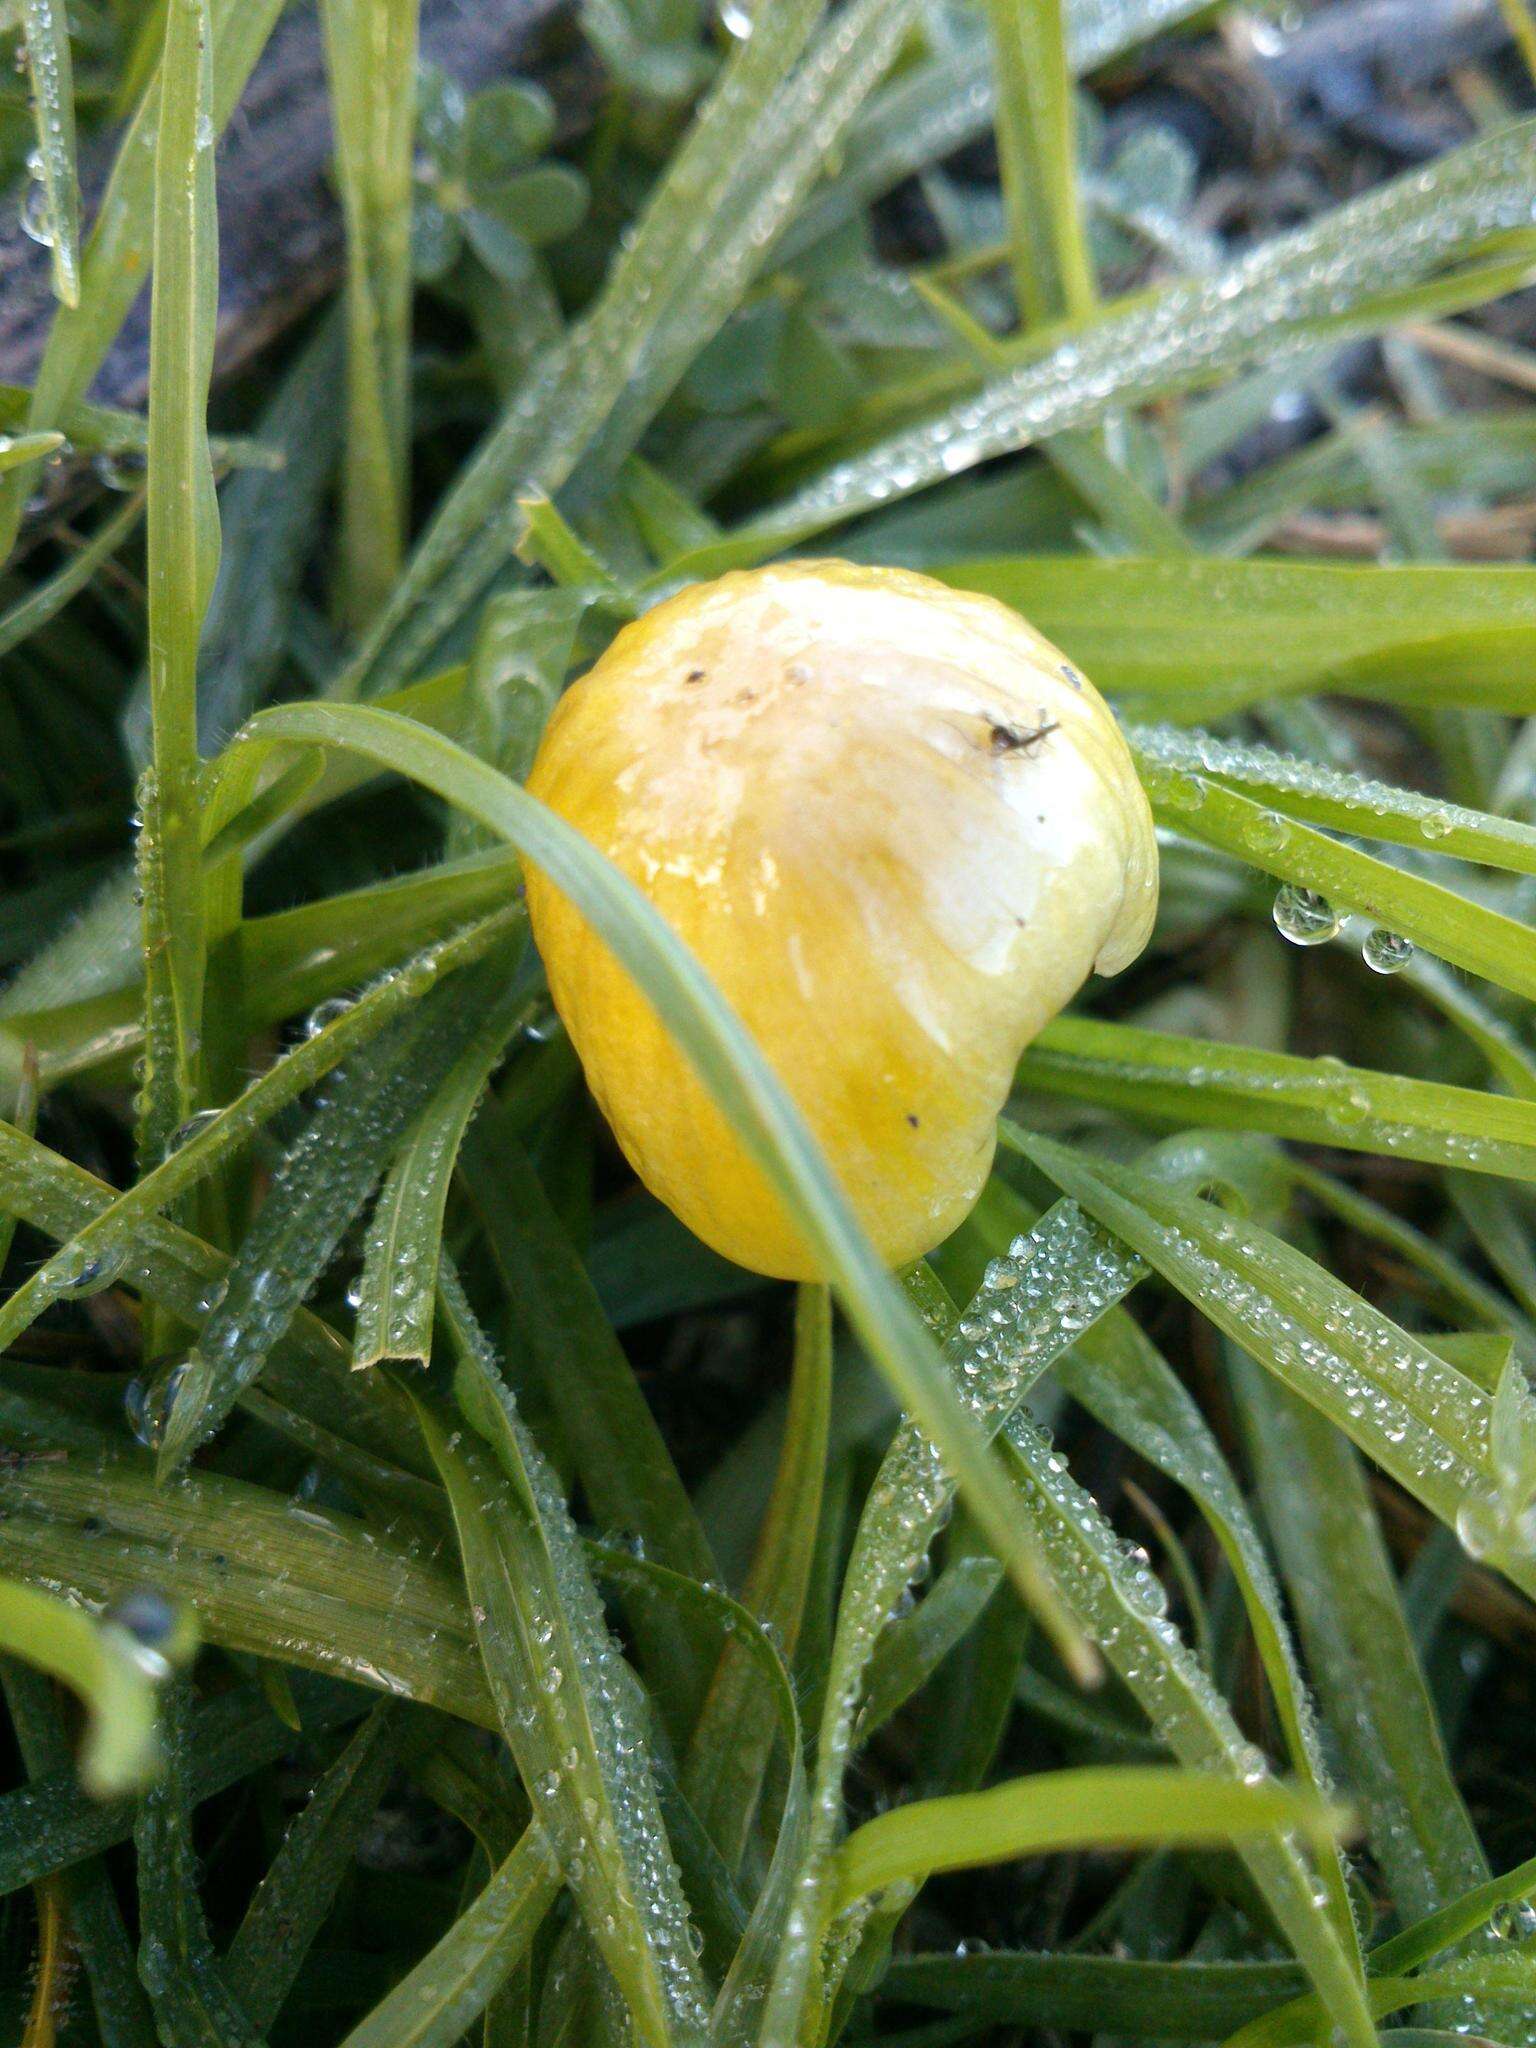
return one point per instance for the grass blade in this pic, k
(94, 1255)
(1166, 1079)
(436, 2004)
(754, 149)
(936, 106)
(1421, 1420)
(1068, 1809)
(263, 1573)
(52, 1824)
(1201, 639)
(1125, 1608)
(626, 1470)
(106, 1667)
(323, 1183)
(730, 1750)
(47, 600)
(1037, 150)
(371, 57)
(307, 1370)
(1122, 1379)
(119, 249)
(563, 1699)
(293, 1899)
(177, 1964)
(405, 1233)
(183, 537)
(1185, 2000)
(1350, 803)
(1344, 273)
(1344, 1594)
(50, 72)
(1453, 926)
(89, 1900)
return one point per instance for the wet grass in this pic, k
(440, 1598)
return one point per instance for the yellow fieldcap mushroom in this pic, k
(896, 827)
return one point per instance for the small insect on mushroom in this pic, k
(892, 919)
(1015, 739)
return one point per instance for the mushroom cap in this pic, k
(897, 828)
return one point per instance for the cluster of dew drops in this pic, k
(1309, 919)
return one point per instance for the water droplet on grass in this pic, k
(1386, 952)
(325, 1013)
(1304, 917)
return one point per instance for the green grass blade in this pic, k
(47, 599)
(183, 543)
(1452, 926)
(1069, 1809)
(90, 1902)
(564, 1701)
(1124, 1606)
(103, 1664)
(50, 71)
(1345, 271)
(25, 448)
(321, 1186)
(264, 1574)
(731, 1745)
(371, 60)
(52, 1823)
(308, 1370)
(754, 149)
(119, 249)
(1186, 2000)
(1203, 638)
(297, 1893)
(1128, 1385)
(1421, 1420)
(1037, 152)
(937, 105)
(1344, 1595)
(442, 1997)
(625, 1467)
(95, 1255)
(405, 1233)
(1034, 1303)
(177, 1963)
(1460, 1291)
(271, 517)
(914, 1647)
(1349, 803)
(1167, 1079)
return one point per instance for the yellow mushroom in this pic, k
(895, 825)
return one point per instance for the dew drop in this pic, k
(1266, 833)
(118, 469)
(37, 216)
(83, 1271)
(194, 1126)
(324, 1014)
(1386, 952)
(1515, 1920)
(1304, 917)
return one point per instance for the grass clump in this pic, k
(439, 1598)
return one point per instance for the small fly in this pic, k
(1022, 739)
